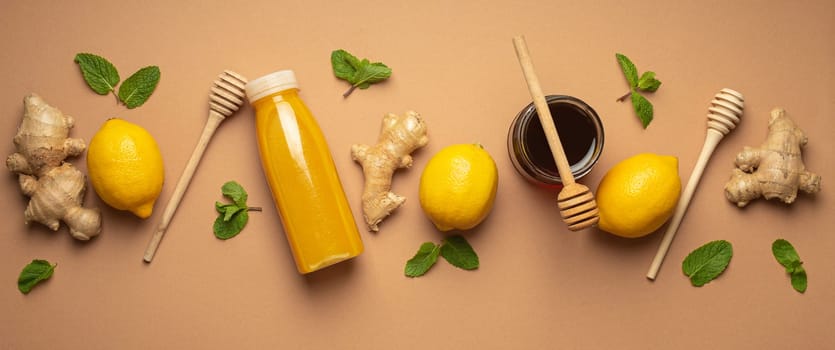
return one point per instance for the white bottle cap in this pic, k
(270, 84)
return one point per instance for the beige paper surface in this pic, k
(539, 286)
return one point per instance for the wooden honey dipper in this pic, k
(227, 96)
(722, 117)
(576, 202)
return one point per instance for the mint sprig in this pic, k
(103, 77)
(454, 249)
(787, 256)
(33, 273)
(707, 262)
(360, 73)
(646, 82)
(232, 217)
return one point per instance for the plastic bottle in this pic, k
(297, 163)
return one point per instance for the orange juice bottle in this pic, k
(297, 163)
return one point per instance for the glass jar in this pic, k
(581, 135)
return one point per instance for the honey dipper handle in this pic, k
(711, 140)
(543, 111)
(211, 125)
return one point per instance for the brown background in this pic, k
(539, 286)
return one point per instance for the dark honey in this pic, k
(578, 137)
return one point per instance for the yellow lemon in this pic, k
(125, 167)
(638, 195)
(458, 186)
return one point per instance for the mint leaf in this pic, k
(784, 253)
(34, 273)
(628, 69)
(136, 89)
(425, 257)
(458, 252)
(226, 229)
(98, 72)
(799, 280)
(643, 108)
(360, 73)
(787, 256)
(344, 64)
(647, 82)
(235, 192)
(707, 262)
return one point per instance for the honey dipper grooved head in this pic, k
(725, 110)
(228, 93)
(577, 207)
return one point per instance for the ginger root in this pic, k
(775, 169)
(56, 189)
(399, 137)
